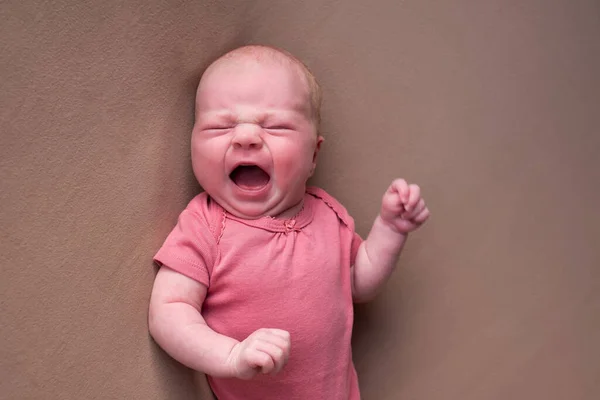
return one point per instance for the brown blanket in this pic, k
(491, 106)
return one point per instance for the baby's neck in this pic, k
(290, 212)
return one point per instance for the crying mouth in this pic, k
(249, 177)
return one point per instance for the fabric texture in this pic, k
(291, 274)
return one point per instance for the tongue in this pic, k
(249, 177)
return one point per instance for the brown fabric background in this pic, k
(493, 107)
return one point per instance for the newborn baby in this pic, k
(258, 277)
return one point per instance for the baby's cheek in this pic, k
(206, 163)
(207, 151)
(295, 171)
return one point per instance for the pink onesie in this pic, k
(269, 273)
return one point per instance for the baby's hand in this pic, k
(402, 207)
(264, 351)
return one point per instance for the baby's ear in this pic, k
(320, 140)
(315, 154)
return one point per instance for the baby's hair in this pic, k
(263, 52)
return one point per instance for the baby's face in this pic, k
(254, 144)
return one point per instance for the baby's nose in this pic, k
(247, 136)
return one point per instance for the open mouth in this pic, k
(249, 177)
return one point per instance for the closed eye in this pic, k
(279, 127)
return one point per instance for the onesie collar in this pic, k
(285, 225)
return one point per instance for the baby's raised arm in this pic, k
(178, 327)
(402, 211)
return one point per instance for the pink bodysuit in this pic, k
(269, 273)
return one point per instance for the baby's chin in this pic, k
(245, 213)
(256, 210)
(244, 209)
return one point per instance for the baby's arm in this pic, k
(402, 211)
(177, 326)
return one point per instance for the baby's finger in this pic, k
(414, 195)
(392, 203)
(281, 333)
(259, 360)
(415, 211)
(279, 338)
(422, 216)
(401, 187)
(270, 334)
(283, 352)
(276, 355)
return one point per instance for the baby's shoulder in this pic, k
(207, 212)
(332, 203)
(200, 204)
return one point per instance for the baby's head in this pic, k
(261, 54)
(255, 140)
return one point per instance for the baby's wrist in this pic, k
(231, 363)
(391, 227)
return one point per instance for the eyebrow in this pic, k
(271, 114)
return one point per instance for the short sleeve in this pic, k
(356, 241)
(345, 218)
(191, 247)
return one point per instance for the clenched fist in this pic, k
(265, 351)
(402, 207)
